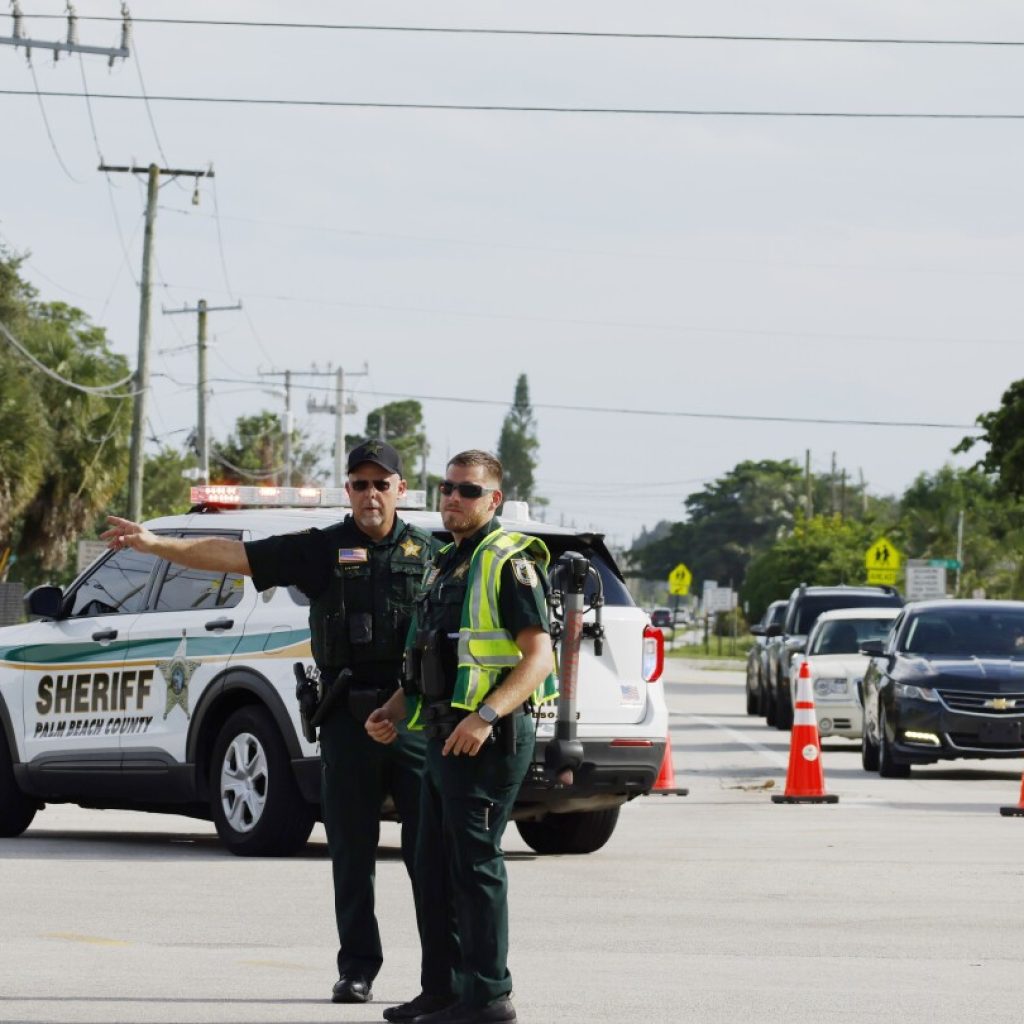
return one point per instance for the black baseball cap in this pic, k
(378, 452)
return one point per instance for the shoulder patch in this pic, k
(525, 572)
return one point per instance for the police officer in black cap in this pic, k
(361, 576)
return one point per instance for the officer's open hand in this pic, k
(381, 727)
(123, 533)
(468, 736)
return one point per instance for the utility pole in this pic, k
(959, 551)
(202, 436)
(289, 423)
(808, 502)
(141, 381)
(337, 410)
(832, 479)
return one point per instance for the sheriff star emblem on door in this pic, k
(177, 672)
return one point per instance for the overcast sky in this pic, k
(820, 267)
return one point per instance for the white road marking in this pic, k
(769, 754)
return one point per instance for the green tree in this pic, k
(518, 445)
(63, 451)
(822, 550)
(1003, 432)
(728, 522)
(167, 479)
(254, 453)
(403, 429)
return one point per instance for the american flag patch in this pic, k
(630, 693)
(351, 555)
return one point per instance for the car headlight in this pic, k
(907, 692)
(826, 686)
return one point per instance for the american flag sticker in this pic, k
(630, 693)
(349, 555)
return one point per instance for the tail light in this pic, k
(654, 654)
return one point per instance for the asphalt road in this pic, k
(903, 902)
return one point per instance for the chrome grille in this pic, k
(1000, 704)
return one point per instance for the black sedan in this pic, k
(947, 683)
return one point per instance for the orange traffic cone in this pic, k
(1018, 811)
(665, 784)
(805, 780)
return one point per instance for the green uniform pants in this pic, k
(465, 806)
(356, 774)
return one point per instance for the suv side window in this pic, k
(117, 586)
(183, 590)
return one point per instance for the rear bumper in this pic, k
(959, 734)
(610, 775)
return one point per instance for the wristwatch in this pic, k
(488, 714)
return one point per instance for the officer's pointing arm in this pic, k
(219, 554)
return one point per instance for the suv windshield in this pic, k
(966, 632)
(814, 604)
(844, 636)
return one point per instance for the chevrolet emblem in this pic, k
(1000, 703)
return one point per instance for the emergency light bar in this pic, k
(245, 496)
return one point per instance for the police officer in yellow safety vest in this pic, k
(360, 575)
(479, 659)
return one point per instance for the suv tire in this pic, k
(574, 832)
(256, 804)
(888, 766)
(783, 708)
(16, 809)
(868, 750)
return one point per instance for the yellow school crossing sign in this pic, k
(882, 561)
(679, 580)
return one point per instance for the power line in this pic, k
(555, 33)
(102, 390)
(876, 115)
(626, 411)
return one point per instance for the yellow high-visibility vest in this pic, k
(486, 649)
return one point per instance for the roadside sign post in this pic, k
(925, 579)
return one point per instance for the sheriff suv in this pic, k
(154, 687)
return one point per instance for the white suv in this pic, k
(150, 686)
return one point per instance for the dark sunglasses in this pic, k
(364, 485)
(447, 488)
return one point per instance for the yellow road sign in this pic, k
(679, 580)
(882, 556)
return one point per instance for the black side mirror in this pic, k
(773, 630)
(757, 630)
(44, 602)
(872, 648)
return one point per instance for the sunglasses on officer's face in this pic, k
(364, 485)
(449, 487)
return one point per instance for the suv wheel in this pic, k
(256, 804)
(16, 809)
(575, 832)
(888, 766)
(753, 699)
(783, 708)
(868, 750)
(770, 705)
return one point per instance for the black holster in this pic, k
(436, 660)
(332, 691)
